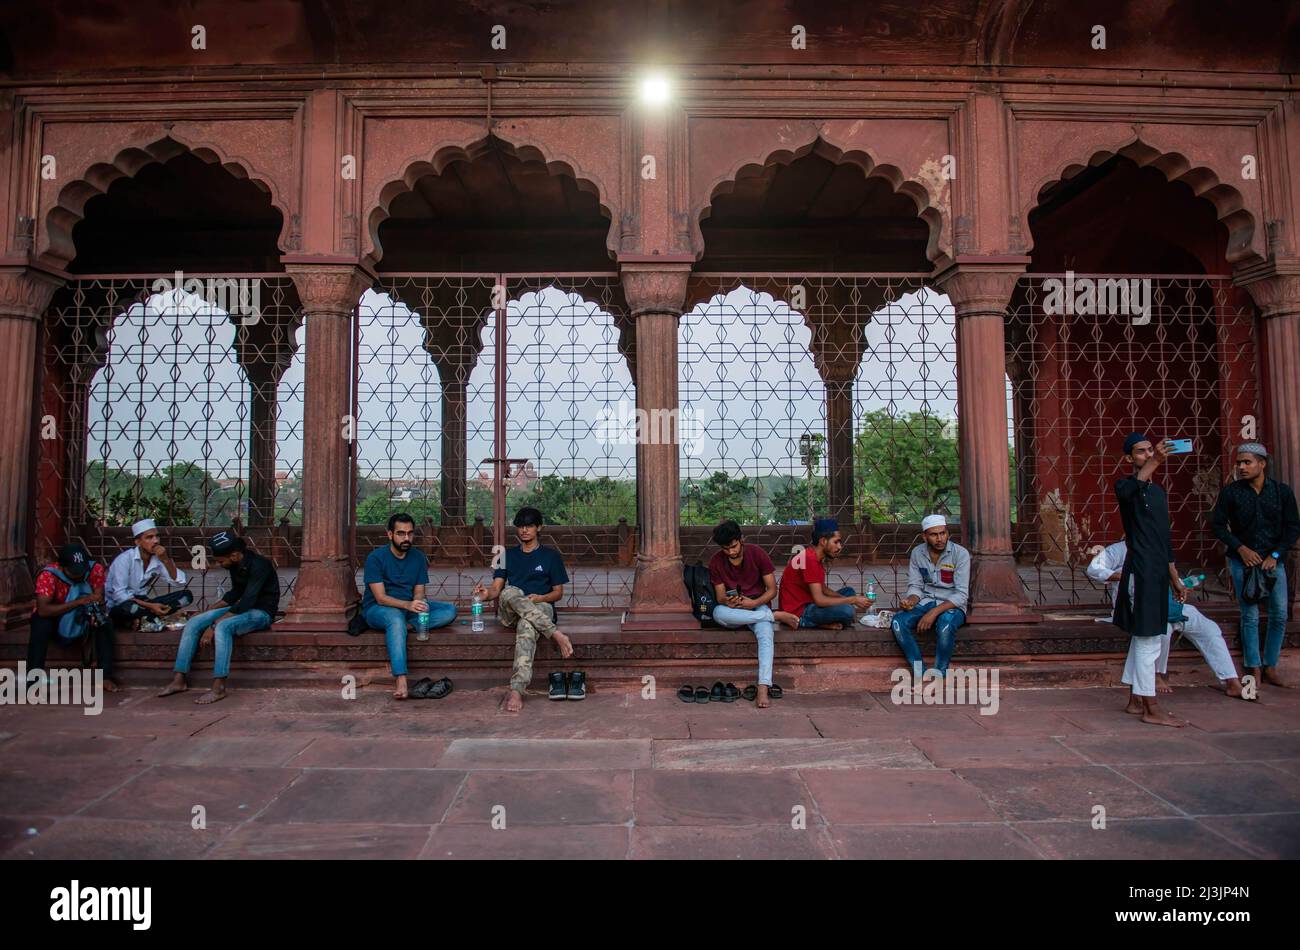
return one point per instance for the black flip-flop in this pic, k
(775, 692)
(701, 695)
(729, 693)
(435, 690)
(419, 688)
(750, 693)
(686, 694)
(715, 694)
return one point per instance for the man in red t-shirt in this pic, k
(52, 605)
(744, 582)
(803, 583)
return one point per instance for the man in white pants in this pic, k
(1106, 568)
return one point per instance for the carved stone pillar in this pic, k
(656, 294)
(24, 296)
(265, 350)
(326, 586)
(980, 294)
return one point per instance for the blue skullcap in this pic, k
(1133, 439)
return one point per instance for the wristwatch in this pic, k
(1275, 556)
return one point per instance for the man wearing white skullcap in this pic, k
(938, 593)
(133, 574)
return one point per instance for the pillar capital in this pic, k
(329, 288)
(25, 292)
(981, 286)
(1274, 286)
(655, 287)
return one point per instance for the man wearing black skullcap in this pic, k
(249, 605)
(1144, 510)
(70, 605)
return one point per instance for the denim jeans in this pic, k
(945, 634)
(760, 621)
(224, 631)
(814, 616)
(393, 622)
(1250, 657)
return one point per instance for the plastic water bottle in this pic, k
(476, 615)
(1193, 580)
(422, 625)
(871, 596)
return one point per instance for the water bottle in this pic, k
(871, 596)
(1193, 580)
(422, 625)
(476, 615)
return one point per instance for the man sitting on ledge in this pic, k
(133, 573)
(938, 591)
(395, 578)
(526, 589)
(249, 605)
(803, 583)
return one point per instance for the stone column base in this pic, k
(996, 595)
(325, 593)
(17, 594)
(659, 598)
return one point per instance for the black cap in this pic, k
(74, 560)
(223, 542)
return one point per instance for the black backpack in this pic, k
(700, 590)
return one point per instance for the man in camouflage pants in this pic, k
(525, 589)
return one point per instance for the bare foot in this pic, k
(761, 700)
(785, 618)
(1162, 684)
(1155, 716)
(111, 685)
(565, 645)
(216, 694)
(514, 702)
(1134, 706)
(175, 686)
(400, 691)
(834, 626)
(1272, 679)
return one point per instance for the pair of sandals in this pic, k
(724, 693)
(430, 689)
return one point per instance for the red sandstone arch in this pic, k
(1229, 203)
(926, 208)
(69, 208)
(417, 167)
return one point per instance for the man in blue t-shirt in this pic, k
(526, 590)
(395, 578)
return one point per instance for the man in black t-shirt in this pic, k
(525, 590)
(249, 605)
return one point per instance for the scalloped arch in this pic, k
(1229, 204)
(921, 196)
(417, 166)
(69, 207)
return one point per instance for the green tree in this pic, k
(790, 501)
(719, 498)
(905, 467)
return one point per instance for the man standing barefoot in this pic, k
(1144, 510)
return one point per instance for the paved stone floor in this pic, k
(306, 773)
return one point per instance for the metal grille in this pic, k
(160, 398)
(1171, 356)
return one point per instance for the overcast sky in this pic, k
(172, 387)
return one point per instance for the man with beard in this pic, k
(1144, 510)
(395, 577)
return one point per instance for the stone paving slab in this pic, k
(304, 773)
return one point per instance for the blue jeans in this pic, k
(814, 616)
(393, 622)
(945, 634)
(224, 632)
(1250, 619)
(760, 621)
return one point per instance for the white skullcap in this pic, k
(933, 521)
(140, 527)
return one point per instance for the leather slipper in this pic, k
(775, 692)
(686, 694)
(432, 690)
(715, 694)
(701, 695)
(419, 688)
(729, 693)
(750, 693)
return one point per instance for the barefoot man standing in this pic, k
(1144, 510)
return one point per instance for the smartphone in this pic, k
(734, 592)
(1180, 446)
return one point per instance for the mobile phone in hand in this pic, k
(1180, 446)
